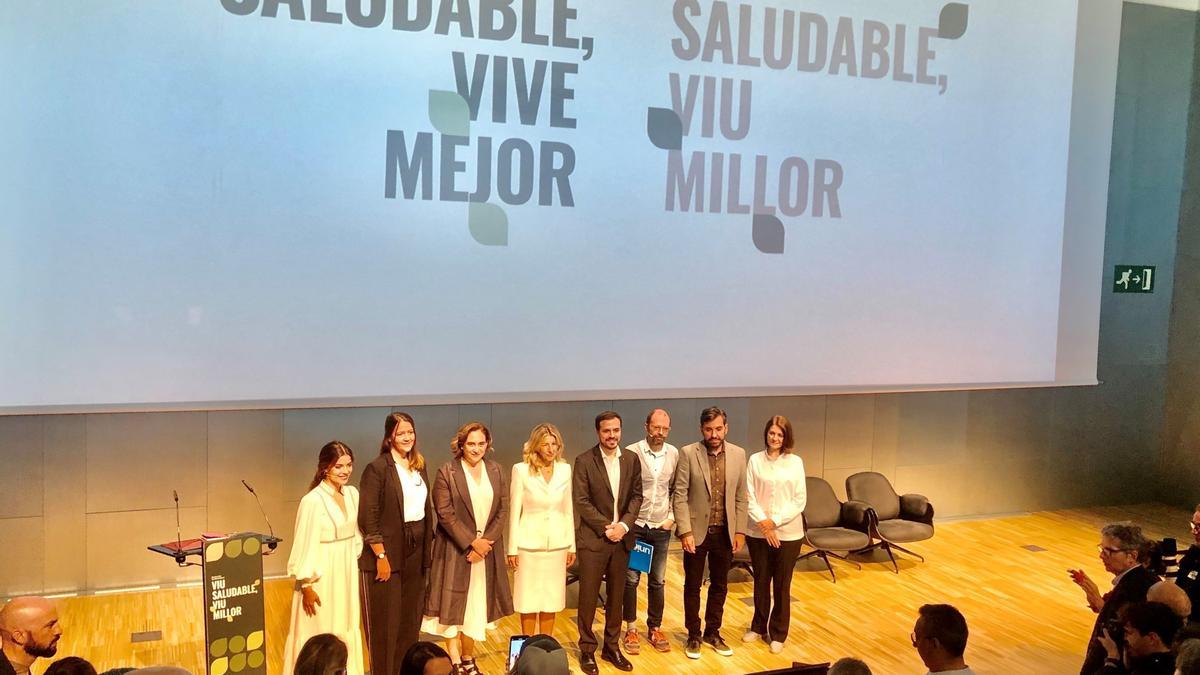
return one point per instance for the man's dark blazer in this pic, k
(6, 668)
(593, 498)
(1189, 579)
(1131, 588)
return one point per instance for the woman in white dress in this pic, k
(541, 530)
(468, 585)
(324, 560)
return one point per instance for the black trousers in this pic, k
(718, 551)
(610, 563)
(773, 569)
(392, 609)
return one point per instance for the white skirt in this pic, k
(475, 624)
(540, 581)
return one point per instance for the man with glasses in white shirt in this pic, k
(654, 524)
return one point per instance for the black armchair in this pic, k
(831, 525)
(896, 519)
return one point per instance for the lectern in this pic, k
(234, 618)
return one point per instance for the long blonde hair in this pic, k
(530, 451)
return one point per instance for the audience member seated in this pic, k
(1171, 595)
(1189, 567)
(1151, 557)
(542, 655)
(426, 658)
(1120, 548)
(323, 654)
(1187, 657)
(1149, 628)
(940, 636)
(1190, 631)
(29, 630)
(849, 666)
(71, 665)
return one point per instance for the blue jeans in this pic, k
(660, 539)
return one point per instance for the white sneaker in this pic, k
(751, 636)
(776, 647)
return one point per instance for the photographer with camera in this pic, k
(1148, 628)
(1120, 549)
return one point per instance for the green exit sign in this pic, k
(1133, 279)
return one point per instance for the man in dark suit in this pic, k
(1188, 577)
(607, 493)
(1120, 550)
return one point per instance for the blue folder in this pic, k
(639, 557)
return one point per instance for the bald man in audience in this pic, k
(1171, 595)
(29, 629)
(1188, 577)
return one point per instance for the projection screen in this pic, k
(261, 202)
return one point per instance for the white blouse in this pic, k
(319, 520)
(540, 517)
(415, 491)
(777, 491)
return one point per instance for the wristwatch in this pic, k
(381, 555)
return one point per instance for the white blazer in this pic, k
(540, 517)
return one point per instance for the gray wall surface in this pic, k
(81, 496)
(1180, 466)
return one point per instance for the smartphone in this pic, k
(515, 644)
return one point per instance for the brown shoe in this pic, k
(630, 644)
(659, 641)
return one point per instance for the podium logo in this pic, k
(237, 653)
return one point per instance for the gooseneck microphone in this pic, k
(261, 510)
(179, 556)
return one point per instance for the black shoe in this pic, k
(616, 658)
(587, 663)
(718, 644)
(692, 649)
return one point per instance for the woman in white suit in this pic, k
(541, 534)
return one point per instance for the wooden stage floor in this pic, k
(1024, 614)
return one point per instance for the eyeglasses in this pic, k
(1106, 550)
(658, 429)
(1194, 527)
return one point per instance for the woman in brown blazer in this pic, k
(468, 583)
(395, 516)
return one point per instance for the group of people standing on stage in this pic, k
(410, 556)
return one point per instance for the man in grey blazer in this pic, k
(711, 508)
(607, 493)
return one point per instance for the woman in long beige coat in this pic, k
(468, 583)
